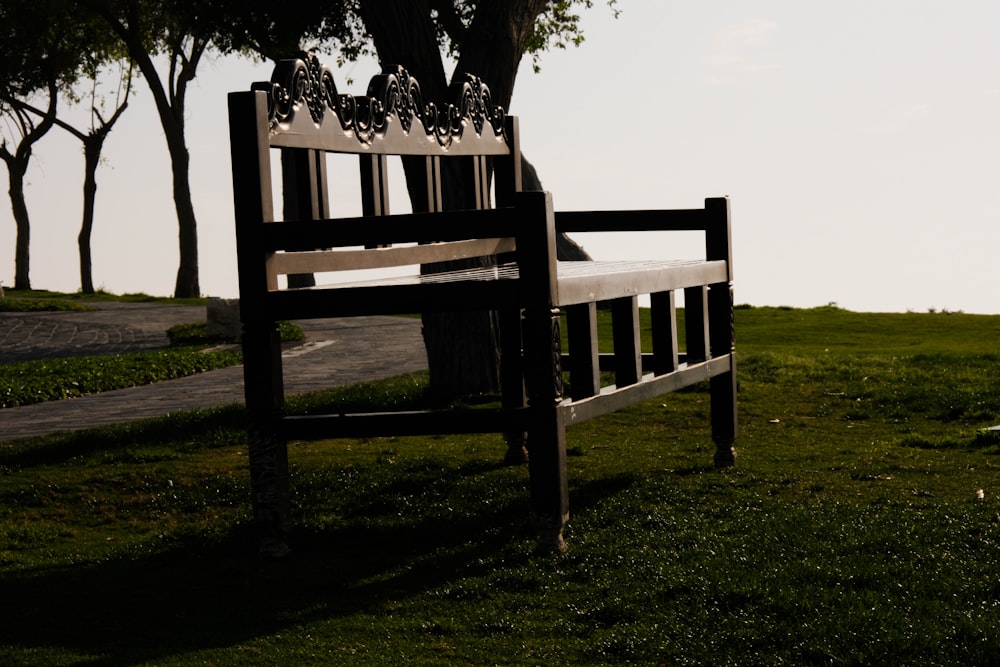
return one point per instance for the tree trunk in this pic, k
(91, 158)
(462, 354)
(462, 348)
(16, 168)
(187, 226)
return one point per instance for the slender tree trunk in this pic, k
(92, 146)
(16, 169)
(187, 272)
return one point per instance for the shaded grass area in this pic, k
(852, 530)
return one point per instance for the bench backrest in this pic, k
(301, 114)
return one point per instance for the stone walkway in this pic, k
(336, 352)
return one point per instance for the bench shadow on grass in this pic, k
(203, 595)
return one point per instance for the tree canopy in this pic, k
(349, 28)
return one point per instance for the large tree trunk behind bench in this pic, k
(462, 348)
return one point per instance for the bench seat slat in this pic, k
(583, 282)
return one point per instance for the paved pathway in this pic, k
(336, 352)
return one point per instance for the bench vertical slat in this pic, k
(484, 181)
(433, 169)
(473, 194)
(718, 245)
(374, 185)
(696, 323)
(584, 357)
(480, 183)
(303, 183)
(253, 206)
(663, 319)
(304, 195)
(628, 347)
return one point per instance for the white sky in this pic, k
(858, 140)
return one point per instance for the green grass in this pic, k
(30, 382)
(25, 305)
(48, 300)
(196, 333)
(851, 531)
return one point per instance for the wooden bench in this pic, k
(300, 115)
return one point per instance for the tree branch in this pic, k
(41, 114)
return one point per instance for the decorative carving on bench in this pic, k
(305, 81)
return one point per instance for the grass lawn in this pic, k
(860, 526)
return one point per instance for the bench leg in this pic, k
(723, 387)
(512, 394)
(262, 378)
(547, 430)
(269, 491)
(723, 398)
(547, 471)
